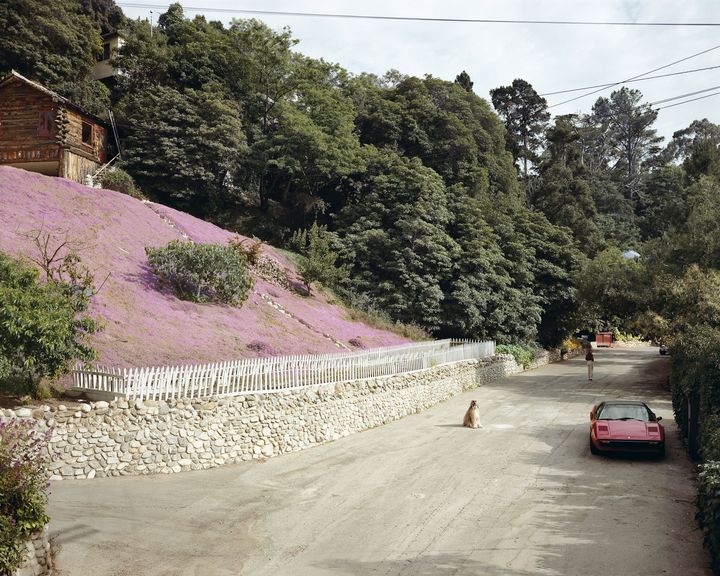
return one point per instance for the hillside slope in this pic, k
(144, 325)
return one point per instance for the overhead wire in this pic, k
(637, 76)
(609, 84)
(684, 95)
(688, 101)
(413, 18)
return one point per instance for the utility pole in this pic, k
(151, 23)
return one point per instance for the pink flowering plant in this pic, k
(24, 459)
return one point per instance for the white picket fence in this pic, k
(264, 375)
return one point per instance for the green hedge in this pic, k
(696, 374)
(708, 515)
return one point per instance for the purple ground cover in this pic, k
(143, 324)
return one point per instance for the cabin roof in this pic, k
(54, 95)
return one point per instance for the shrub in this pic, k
(619, 336)
(120, 181)
(319, 263)
(524, 353)
(42, 330)
(251, 250)
(23, 489)
(708, 515)
(570, 344)
(202, 272)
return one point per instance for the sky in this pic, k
(550, 57)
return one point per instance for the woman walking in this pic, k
(590, 359)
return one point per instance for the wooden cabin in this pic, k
(44, 132)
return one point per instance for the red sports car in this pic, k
(626, 426)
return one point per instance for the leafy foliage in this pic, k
(250, 249)
(630, 139)
(525, 114)
(49, 42)
(394, 240)
(120, 181)
(708, 502)
(202, 272)
(23, 489)
(319, 264)
(42, 326)
(612, 290)
(524, 353)
(202, 138)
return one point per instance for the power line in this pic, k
(414, 18)
(688, 101)
(636, 80)
(636, 77)
(683, 95)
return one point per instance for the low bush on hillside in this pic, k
(249, 249)
(120, 181)
(202, 272)
(23, 489)
(319, 262)
(524, 353)
(43, 329)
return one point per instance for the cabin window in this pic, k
(87, 134)
(46, 124)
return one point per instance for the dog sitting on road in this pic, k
(472, 416)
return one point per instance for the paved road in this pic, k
(418, 497)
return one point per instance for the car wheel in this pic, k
(593, 449)
(661, 453)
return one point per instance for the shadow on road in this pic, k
(447, 564)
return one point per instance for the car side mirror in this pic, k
(658, 418)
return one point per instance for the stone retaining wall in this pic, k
(134, 437)
(39, 558)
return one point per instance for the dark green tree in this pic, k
(632, 141)
(394, 238)
(106, 14)
(525, 115)
(319, 264)
(464, 80)
(50, 42)
(663, 204)
(201, 138)
(562, 193)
